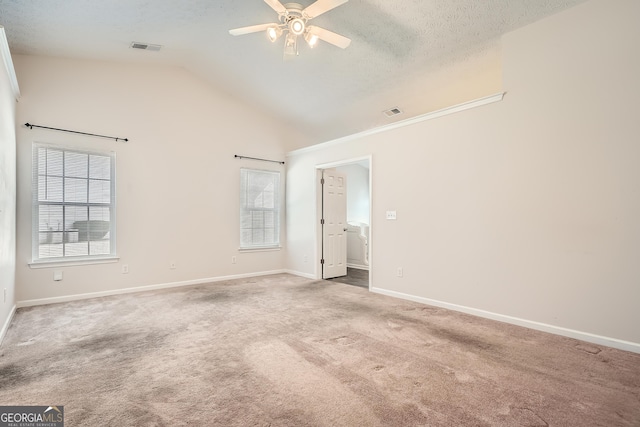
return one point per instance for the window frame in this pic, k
(36, 260)
(277, 210)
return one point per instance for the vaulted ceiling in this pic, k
(417, 55)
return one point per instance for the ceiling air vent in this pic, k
(392, 112)
(145, 46)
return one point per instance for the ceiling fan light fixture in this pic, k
(293, 20)
(297, 26)
(273, 33)
(312, 39)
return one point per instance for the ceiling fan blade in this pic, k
(277, 6)
(251, 29)
(320, 7)
(330, 37)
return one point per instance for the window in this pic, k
(259, 209)
(73, 204)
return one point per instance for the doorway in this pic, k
(344, 243)
(354, 277)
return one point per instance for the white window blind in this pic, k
(73, 204)
(259, 208)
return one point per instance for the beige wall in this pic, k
(177, 179)
(7, 191)
(524, 210)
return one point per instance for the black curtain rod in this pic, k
(262, 160)
(30, 126)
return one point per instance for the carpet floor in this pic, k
(354, 277)
(281, 350)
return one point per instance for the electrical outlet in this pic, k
(5, 295)
(306, 259)
(125, 268)
(399, 272)
(57, 276)
(233, 260)
(172, 265)
(392, 215)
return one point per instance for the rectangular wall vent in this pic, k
(392, 112)
(145, 46)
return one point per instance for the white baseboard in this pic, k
(557, 330)
(301, 274)
(67, 298)
(358, 266)
(7, 323)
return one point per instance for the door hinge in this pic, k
(322, 221)
(322, 261)
(322, 181)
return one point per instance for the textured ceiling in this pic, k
(417, 55)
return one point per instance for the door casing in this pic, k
(318, 227)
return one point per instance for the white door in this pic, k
(334, 229)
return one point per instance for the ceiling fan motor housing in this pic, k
(294, 9)
(294, 19)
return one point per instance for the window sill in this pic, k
(260, 249)
(72, 262)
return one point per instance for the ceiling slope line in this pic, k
(402, 123)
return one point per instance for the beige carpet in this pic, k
(285, 351)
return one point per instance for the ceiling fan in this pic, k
(293, 20)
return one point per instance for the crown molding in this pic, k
(8, 63)
(421, 118)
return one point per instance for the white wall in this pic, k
(357, 192)
(7, 188)
(524, 210)
(177, 179)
